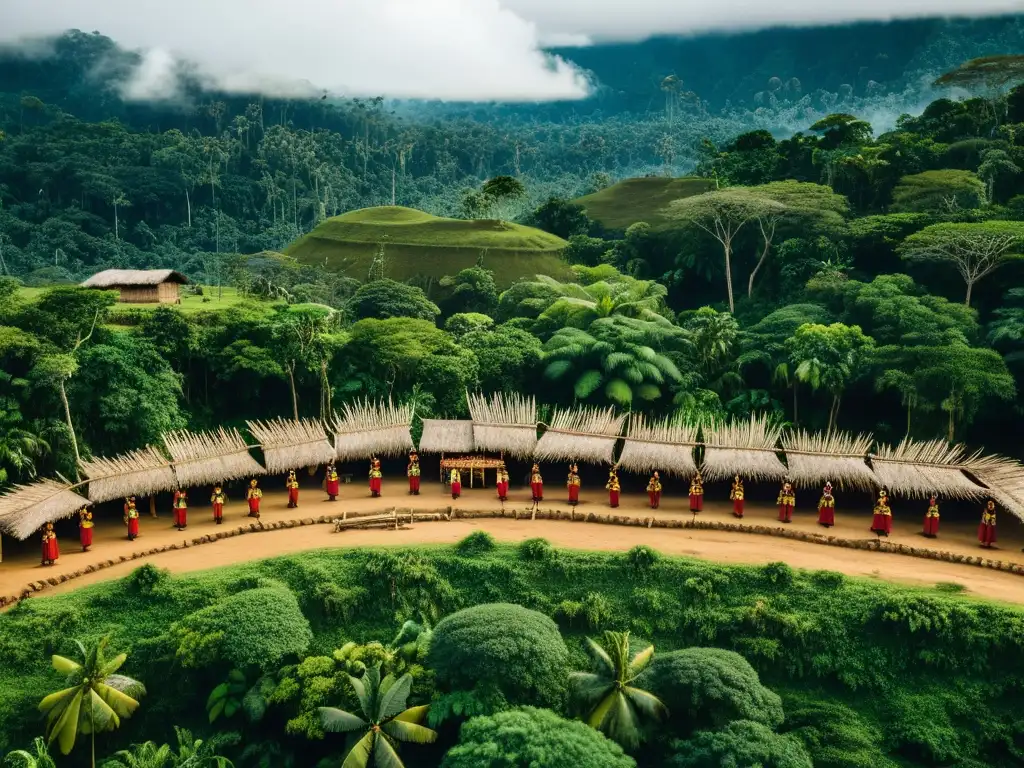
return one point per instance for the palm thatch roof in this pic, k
(665, 446)
(201, 458)
(289, 444)
(138, 473)
(504, 423)
(917, 469)
(839, 457)
(24, 509)
(581, 434)
(746, 448)
(1004, 478)
(129, 278)
(366, 429)
(447, 436)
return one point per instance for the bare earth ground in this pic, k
(22, 566)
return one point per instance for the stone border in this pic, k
(447, 513)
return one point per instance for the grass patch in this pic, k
(644, 199)
(421, 246)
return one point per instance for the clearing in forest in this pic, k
(643, 199)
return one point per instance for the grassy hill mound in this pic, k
(421, 245)
(633, 200)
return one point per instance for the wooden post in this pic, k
(152, 505)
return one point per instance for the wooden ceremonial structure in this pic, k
(508, 425)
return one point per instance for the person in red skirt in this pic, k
(85, 526)
(827, 507)
(931, 518)
(218, 499)
(654, 491)
(881, 523)
(736, 496)
(253, 495)
(331, 482)
(502, 482)
(456, 483)
(131, 518)
(786, 502)
(987, 527)
(613, 487)
(50, 549)
(180, 503)
(573, 484)
(413, 473)
(697, 493)
(292, 484)
(536, 484)
(375, 477)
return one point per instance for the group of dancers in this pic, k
(881, 523)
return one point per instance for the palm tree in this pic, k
(197, 753)
(19, 448)
(145, 755)
(20, 758)
(95, 700)
(385, 720)
(615, 707)
(580, 305)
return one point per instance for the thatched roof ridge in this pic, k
(839, 457)
(130, 278)
(201, 458)
(745, 448)
(504, 423)
(665, 446)
(366, 428)
(581, 434)
(289, 444)
(24, 509)
(138, 473)
(447, 436)
(1004, 478)
(917, 469)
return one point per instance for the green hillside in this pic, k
(421, 245)
(643, 199)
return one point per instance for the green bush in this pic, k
(527, 737)
(146, 579)
(477, 543)
(641, 559)
(742, 744)
(536, 549)
(835, 735)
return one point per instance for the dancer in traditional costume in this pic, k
(375, 477)
(292, 484)
(502, 482)
(49, 545)
(536, 484)
(131, 518)
(253, 496)
(736, 496)
(827, 507)
(987, 527)
(881, 523)
(654, 490)
(180, 503)
(697, 493)
(85, 526)
(413, 472)
(786, 502)
(331, 482)
(931, 518)
(613, 487)
(573, 484)
(218, 499)
(456, 483)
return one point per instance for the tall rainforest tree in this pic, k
(829, 357)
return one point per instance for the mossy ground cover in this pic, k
(642, 199)
(870, 674)
(422, 246)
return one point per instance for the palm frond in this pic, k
(917, 469)
(336, 720)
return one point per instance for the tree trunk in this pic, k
(295, 396)
(750, 282)
(116, 236)
(71, 426)
(970, 289)
(188, 205)
(728, 276)
(908, 419)
(796, 416)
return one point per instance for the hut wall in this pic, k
(139, 294)
(167, 293)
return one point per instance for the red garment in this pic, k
(375, 486)
(293, 496)
(254, 507)
(456, 489)
(180, 517)
(50, 550)
(332, 488)
(574, 494)
(931, 526)
(414, 484)
(737, 507)
(503, 491)
(133, 527)
(881, 524)
(785, 513)
(613, 498)
(218, 511)
(826, 516)
(538, 491)
(986, 534)
(696, 502)
(85, 534)
(655, 498)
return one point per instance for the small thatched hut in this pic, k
(140, 286)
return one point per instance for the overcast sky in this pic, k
(445, 49)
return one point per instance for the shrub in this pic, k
(739, 745)
(641, 559)
(477, 543)
(835, 735)
(526, 737)
(536, 549)
(146, 579)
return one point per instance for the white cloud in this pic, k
(444, 49)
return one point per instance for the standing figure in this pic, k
(573, 484)
(931, 518)
(827, 507)
(218, 499)
(536, 484)
(736, 497)
(786, 502)
(613, 487)
(180, 503)
(456, 482)
(253, 496)
(131, 518)
(697, 493)
(502, 482)
(50, 549)
(331, 482)
(881, 523)
(654, 490)
(375, 477)
(85, 525)
(292, 484)
(413, 471)
(987, 528)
